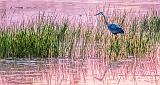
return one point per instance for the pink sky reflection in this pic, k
(19, 10)
(144, 72)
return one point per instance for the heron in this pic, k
(113, 27)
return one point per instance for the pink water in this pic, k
(87, 72)
(12, 11)
(90, 71)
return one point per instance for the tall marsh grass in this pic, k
(64, 40)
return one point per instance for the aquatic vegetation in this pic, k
(54, 39)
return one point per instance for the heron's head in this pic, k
(100, 13)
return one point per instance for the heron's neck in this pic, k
(105, 20)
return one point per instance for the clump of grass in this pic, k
(47, 40)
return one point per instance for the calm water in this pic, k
(82, 72)
(79, 72)
(13, 11)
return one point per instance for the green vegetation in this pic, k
(59, 40)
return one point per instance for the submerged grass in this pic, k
(60, 40)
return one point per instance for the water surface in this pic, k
(22, 10)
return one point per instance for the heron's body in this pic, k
(113, 28)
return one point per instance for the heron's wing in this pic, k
(119, 29)
(114, 26)
(117, 26)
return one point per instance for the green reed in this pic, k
(61, 39)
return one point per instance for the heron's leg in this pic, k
(116, 36)
(116, 42)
